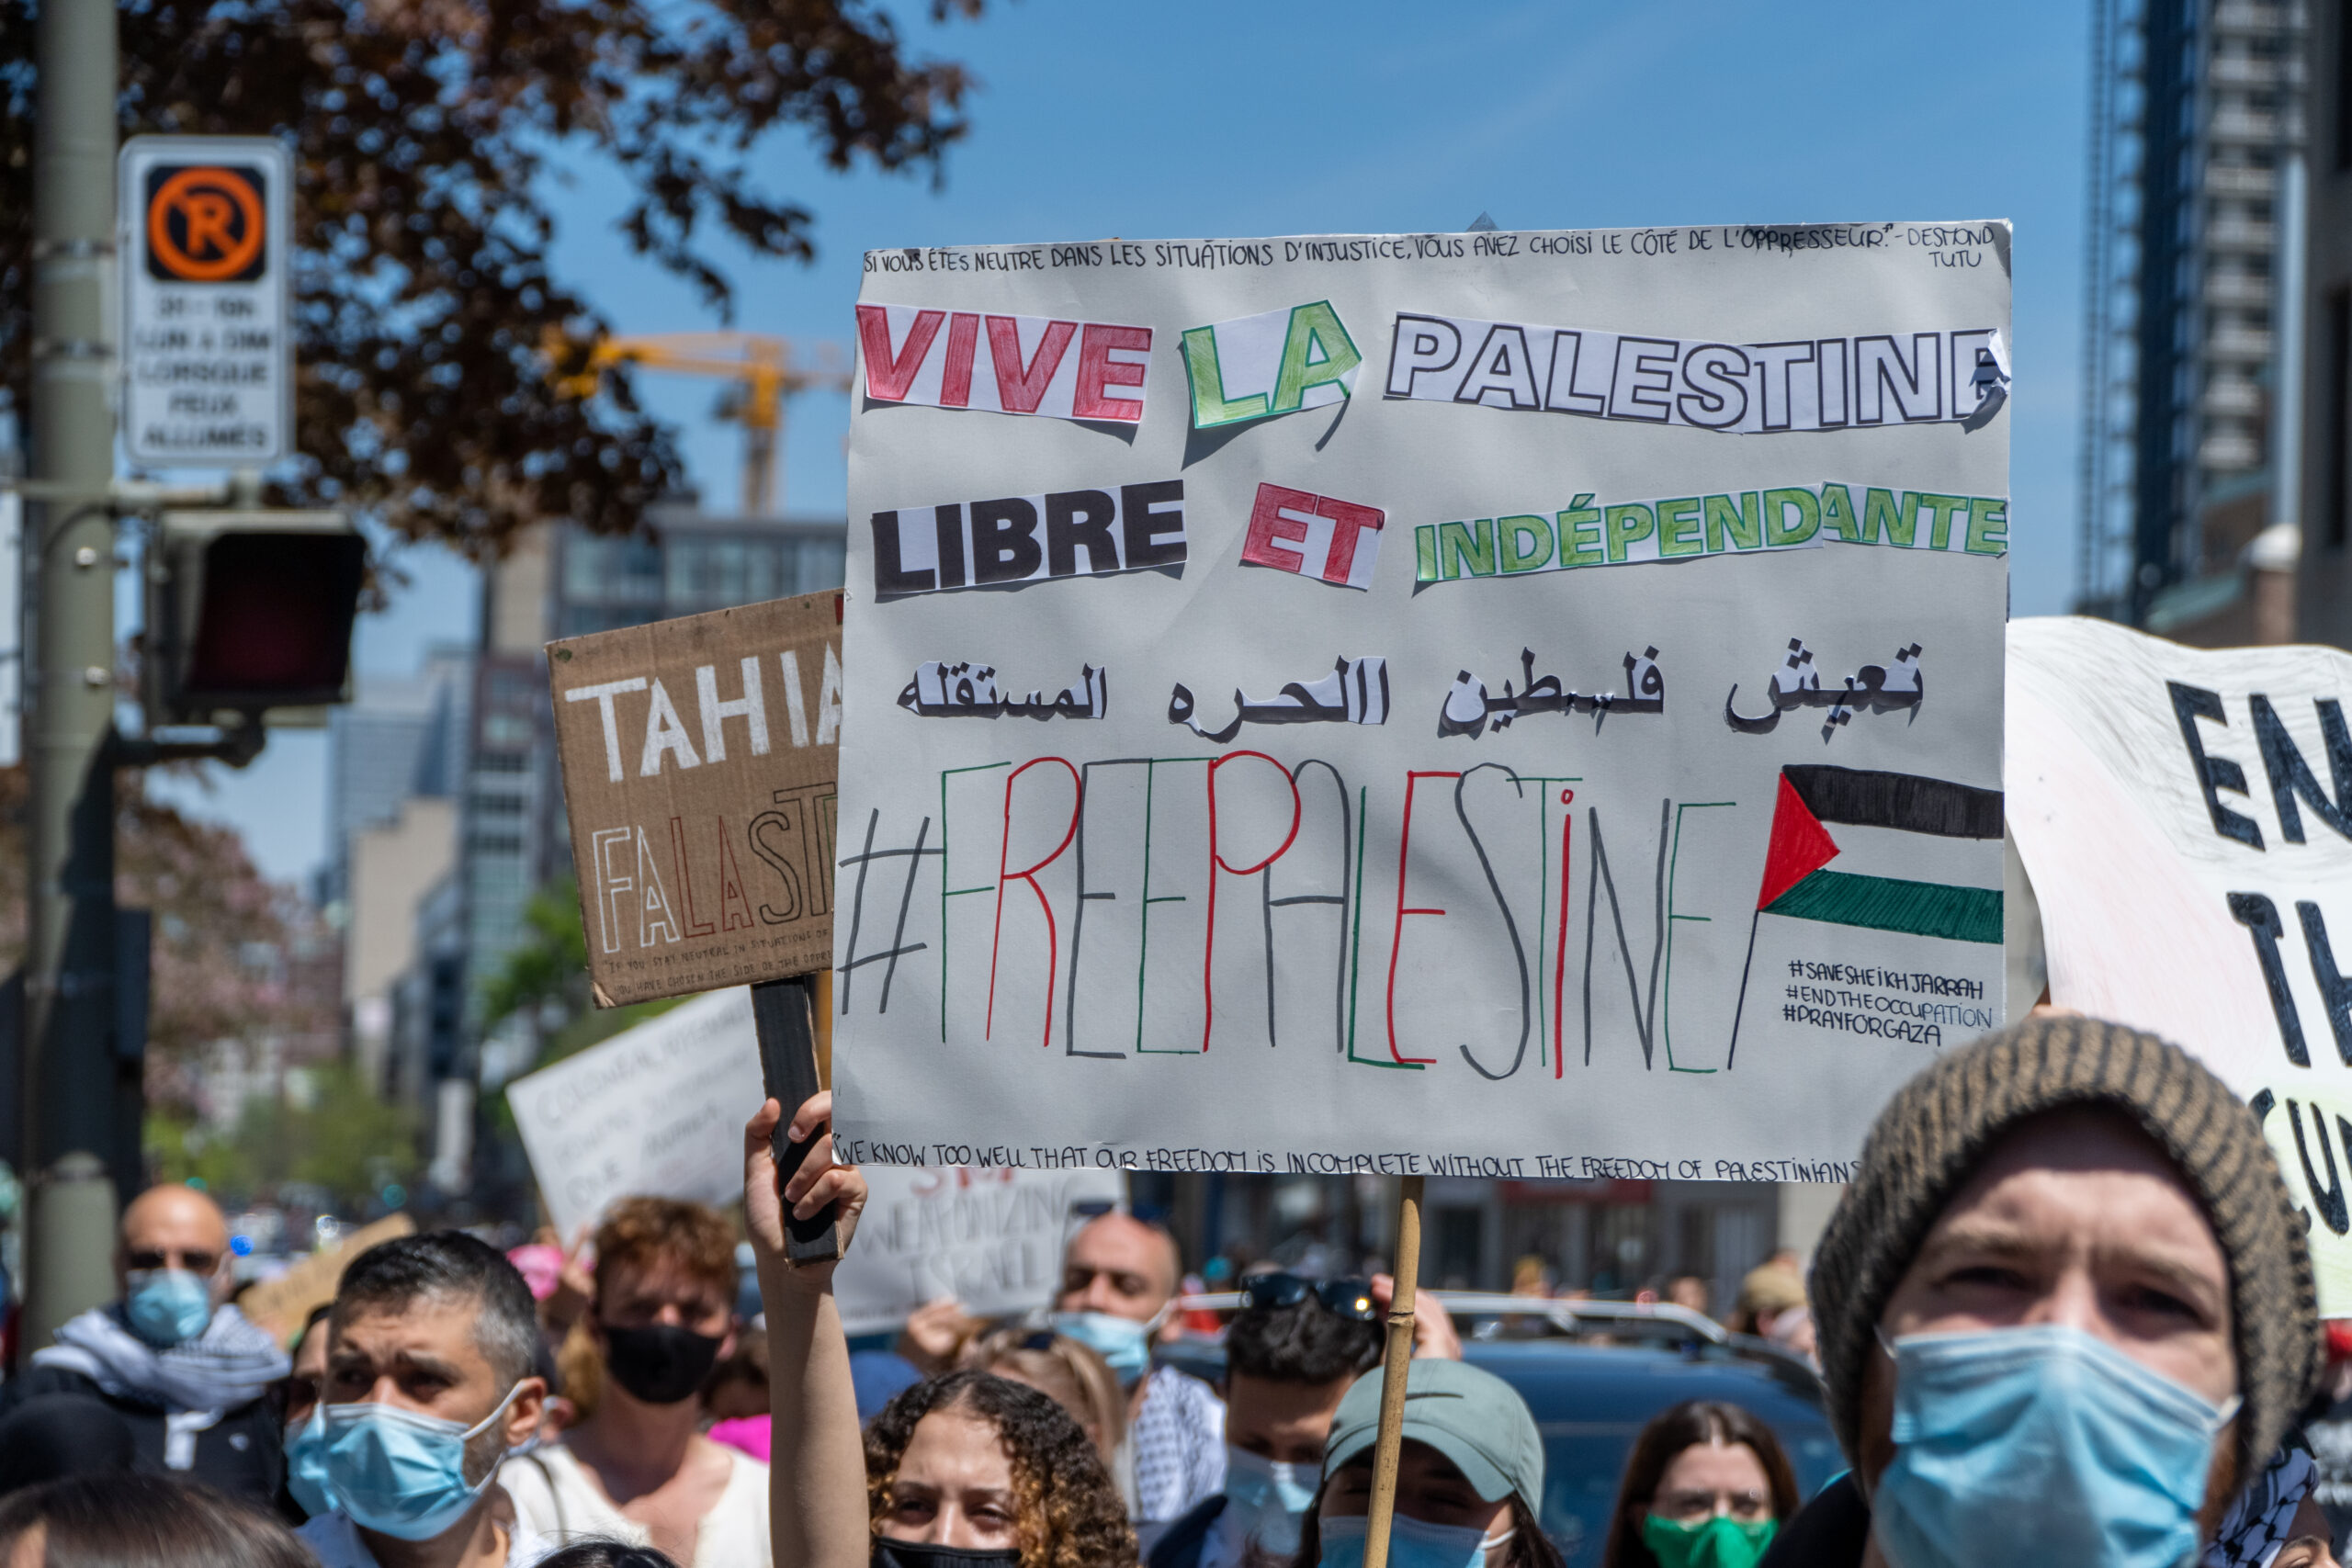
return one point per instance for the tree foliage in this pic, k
(429, 138)
(339, 1135)
(546, 970)
(545, 976)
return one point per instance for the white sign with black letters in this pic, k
(208, 355)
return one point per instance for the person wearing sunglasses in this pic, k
(1292, 1352)
(187, 1374)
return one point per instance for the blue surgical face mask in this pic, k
(1411, 1544)
(400, 1472)
(167, 1306)
(1266, 1499)
(306, 1464)
(2040, 1448)
(1122, 1342)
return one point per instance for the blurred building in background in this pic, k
(435, 877)
(2324, 603)
(2191, 463)
(394, 757)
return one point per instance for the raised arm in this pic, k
(817, 1474)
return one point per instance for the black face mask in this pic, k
(890, 1553)
(661, 1364)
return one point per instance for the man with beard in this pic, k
(428, 1384)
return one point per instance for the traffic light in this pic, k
(249, 611)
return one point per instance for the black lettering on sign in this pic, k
(2258, 914)
(2190, 704)
(2291, 776)
(2333, 1211)
(1017, 539)
(2334, 988)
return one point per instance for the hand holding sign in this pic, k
(818, 1182)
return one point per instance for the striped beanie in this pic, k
(1940, 1126)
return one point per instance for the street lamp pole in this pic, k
(70, 945)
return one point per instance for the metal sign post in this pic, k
(208, 360)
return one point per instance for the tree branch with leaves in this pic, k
(428, 138)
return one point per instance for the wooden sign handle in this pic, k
(1388, 1442)
(784, 1012)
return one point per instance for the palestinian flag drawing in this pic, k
(1798, 885)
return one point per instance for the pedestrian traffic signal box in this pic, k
(249, 611)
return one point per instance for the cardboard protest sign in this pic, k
(698, 758)
(993, 1239)
(1514, 704)
(2185, 817)
(280, 1306)
(656, 1110)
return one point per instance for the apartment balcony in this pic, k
(2229, 451)
(2239, 288)
(2240, 234)
(2238, 344)
(2242, 127)
(2244, 71)
(2231, 397)
(2236, 19)
(2240, 180)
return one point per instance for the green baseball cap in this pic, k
(1473, 1419)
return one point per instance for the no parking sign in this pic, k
(207, 355)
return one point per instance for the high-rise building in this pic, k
(511, 834)
(396, 739)
(2324, 610)
(2192, 377)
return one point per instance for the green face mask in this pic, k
(1719, 1542)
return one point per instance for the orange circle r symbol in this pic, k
(220, 225)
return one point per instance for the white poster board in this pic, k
(1390, 703)
(657, 1110)
(993, 1239)
(2186, 819)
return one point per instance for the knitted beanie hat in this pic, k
(1941, 1125)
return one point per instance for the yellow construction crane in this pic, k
(765, 371)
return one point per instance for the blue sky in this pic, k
(1232, 119)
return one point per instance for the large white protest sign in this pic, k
(656, 1110)
(2186, 819)
(993, 1239)
(1451, 856)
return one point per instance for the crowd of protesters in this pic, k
(2063, 1315)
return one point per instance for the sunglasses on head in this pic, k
(149, 1258)
(1342, 1298)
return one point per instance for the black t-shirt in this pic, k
(243, 1455)
(1828, 1532)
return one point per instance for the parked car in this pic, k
(1593, 1374)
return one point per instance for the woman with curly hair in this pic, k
(967, 1469)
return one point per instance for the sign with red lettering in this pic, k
(1314, 535)
(960, 359)
(698, 758)
(1633, 815)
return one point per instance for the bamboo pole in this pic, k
(1390, 1442)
